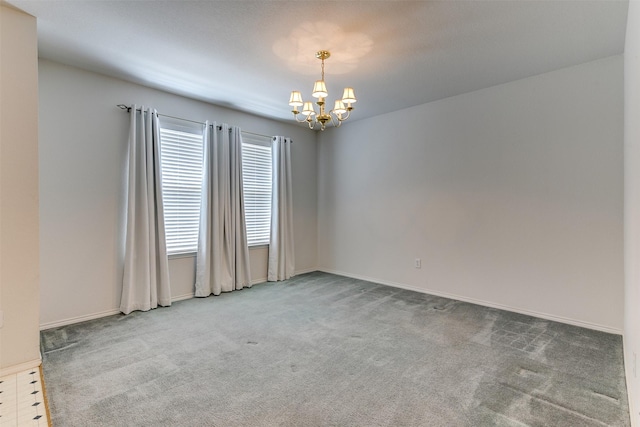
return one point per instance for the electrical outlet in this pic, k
(418, 263)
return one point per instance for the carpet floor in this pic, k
(326, 350)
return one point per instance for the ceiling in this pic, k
(249, 54)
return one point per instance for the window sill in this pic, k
(193, 254)
(262, 246)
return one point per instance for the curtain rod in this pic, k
(126, 107)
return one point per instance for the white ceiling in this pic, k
(249, 54)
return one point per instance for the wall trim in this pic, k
(78, 319)
(182, 297)
(305, 271)
(84, 318)
(484, 303)
(16, 369)
(296, 273)
(258, 281)
(628, 376)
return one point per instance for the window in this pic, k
(256, 183)
(181, 148)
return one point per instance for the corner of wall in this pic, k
(19, 213)
(631, 334)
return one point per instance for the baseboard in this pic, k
(78, 319)
(93, 316)
(484, 303)
(305, 271)
(297, 273)
(182, 297)
(628, 373)
(257, 281)
(21, 367)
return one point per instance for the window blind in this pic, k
(181, 161)
(256, 177)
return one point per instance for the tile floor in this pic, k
(22, 401)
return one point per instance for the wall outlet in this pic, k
(418, 263)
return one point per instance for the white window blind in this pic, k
(181, 148)
(256, 182)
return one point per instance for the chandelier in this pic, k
(341, 108)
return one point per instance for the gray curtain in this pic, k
(145, 283)
(222, 263)
(281, 251)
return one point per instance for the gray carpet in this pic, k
(325, 350)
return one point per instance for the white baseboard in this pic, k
(84, 318)
(631, 389)
(297, 273)
(182, 297)
(256, 281)
(92, 316)
(484, 303)
(15, 369)
(308, 270)
(78, 319)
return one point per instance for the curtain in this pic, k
(222, 263)
(281, 254)
(145, 283)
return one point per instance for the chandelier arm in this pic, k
(336, 121)
(298, 120)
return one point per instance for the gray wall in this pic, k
(83, 140)
(511, 196)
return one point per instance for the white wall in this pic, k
(512, 196)
(83, 138)
(632, 206)
(19, 297)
